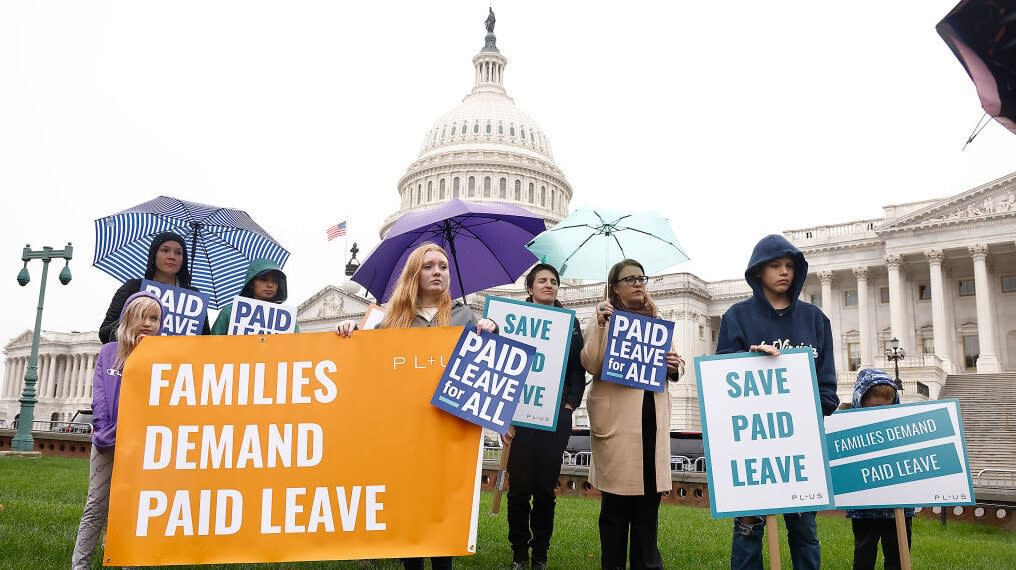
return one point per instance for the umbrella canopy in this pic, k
(486, 242)
(589, 241)
(982, 35)
(221, 242)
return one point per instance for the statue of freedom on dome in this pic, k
(489, 22)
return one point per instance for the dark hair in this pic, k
(884, 391)
(531, 278)
(612, 280)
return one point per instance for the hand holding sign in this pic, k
(636, 352)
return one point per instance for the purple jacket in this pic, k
(106, 389)
(105, 398)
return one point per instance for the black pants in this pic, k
(533, 468)
(867, 533)
(436, 562)
(640, 514)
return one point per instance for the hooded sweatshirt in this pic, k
(183, 277)
(754, 321)
(867, 378)
(257, 268)
(106, 388)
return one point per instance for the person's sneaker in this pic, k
(539, 565)
(521, 566)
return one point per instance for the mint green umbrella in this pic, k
(589, 241)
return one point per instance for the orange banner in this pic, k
(290, 447)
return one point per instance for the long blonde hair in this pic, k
(130, 323)
(405, 299)
(649, 309)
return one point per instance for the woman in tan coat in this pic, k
(630, 431)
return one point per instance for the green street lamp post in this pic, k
(23, 440)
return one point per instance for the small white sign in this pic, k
(905, 455)
(549, 330)
(251, 316)
(762, 429)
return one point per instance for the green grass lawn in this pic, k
(42, 500)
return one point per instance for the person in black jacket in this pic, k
(167, 263)
(534, 463)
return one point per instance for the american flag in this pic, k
(338, 230)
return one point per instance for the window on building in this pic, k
(455, 187)
(453, 130)
(488, 128)
(486, 186)
(850, 298)
(552, 200)
(502, 188)
(854, 355)
(702, 332)
(808, 235)
(815, 299)
(543, 196)
(472, 186)
(883, 295)
(522, 132)
(442, 185)
(476, 128)
(971, 350)
(928, 345)
(430, 190)
(713, 335)
(500, 129)
(967, 288)
(444, 132)
(531, 186)
(511, 130)
(518, 190)
(419, 193)
(1009, 283)
(923, 292)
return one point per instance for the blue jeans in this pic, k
(802, 534)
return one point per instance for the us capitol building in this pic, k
(939, 274)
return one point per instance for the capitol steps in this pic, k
(988, 405)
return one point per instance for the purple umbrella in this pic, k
(486, 242)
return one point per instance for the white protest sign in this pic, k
(253, 316)
(762, 428)
(183, 310)
(373, 317)
(549, 330)
(905, 455)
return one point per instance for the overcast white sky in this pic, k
(734, 119)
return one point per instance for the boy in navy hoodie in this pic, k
(774, 319)
(876, 388)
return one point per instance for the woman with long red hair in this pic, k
(422, 299)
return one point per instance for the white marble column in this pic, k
(60, 377)
(89, 374)
(50, 375)
(938, 319)
(896, 311)
(863, 317)
(76, 375)
(41, 368)
(987, 362)
(830, 307)
(8, 375)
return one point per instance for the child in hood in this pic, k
(265, 281)
(876, 388)
(774, 318)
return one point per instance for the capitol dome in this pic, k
(486, 149)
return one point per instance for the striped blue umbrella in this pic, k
(221, 243)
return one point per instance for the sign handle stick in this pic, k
(772, 534)
(901, 539)
(502, 473)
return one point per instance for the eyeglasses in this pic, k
(631, 280)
